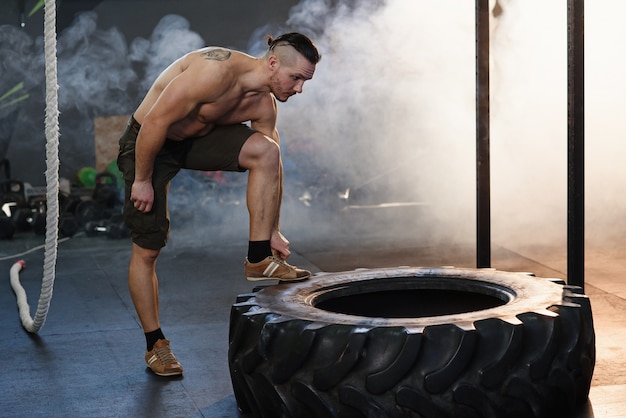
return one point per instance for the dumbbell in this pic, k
(112, 228)
(68, 226)
(23, 219)
(7, 227)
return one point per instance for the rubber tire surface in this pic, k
(532, 356)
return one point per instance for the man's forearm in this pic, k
(146, 150)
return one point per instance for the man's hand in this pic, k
(280, 245)
(142, 196)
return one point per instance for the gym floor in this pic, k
(87, 360)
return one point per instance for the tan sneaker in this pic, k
(162, 361)
(274, 268)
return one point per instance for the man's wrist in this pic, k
(143, 180)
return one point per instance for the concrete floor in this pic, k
(87, 360)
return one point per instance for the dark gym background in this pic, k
(409, 205)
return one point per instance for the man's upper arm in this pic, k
(266, 122)
(183, 94)
(175, 102)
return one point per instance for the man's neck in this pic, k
(254, 77)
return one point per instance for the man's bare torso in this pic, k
(213, 75)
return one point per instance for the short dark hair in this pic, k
(299, 42)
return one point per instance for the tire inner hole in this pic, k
(409, 303)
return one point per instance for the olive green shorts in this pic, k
(217, 151)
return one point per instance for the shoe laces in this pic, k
(281, 262)
(165, 355)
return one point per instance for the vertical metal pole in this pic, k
(575, 143)
(483, 186)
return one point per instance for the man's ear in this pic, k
(273, 62)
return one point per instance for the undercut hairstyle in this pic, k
(299, 42)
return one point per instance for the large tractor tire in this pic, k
(413, 342)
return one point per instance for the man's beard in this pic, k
(275, 89)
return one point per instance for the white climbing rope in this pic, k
(52, 185)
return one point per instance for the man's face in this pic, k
(288, 80)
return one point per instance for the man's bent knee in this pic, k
(259, 150)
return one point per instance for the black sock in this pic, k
(258, 250)
(152, 337)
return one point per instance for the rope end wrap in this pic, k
(20, 294)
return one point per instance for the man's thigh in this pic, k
(219, 150)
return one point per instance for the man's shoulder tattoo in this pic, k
(217, 54)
